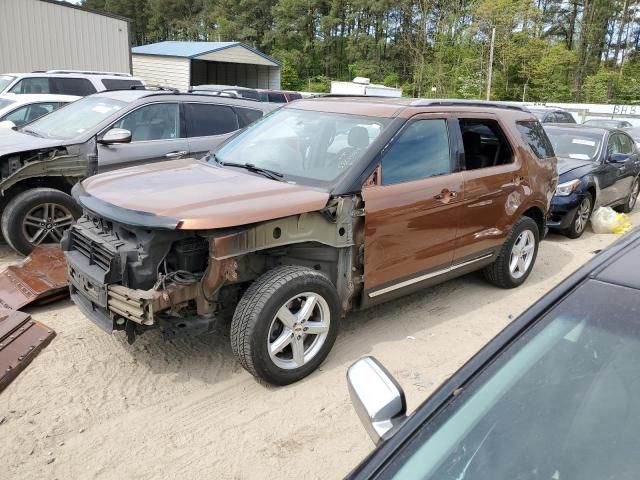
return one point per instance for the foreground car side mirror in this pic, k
(618, 158)
(7, 124)
(116, 135)
(377, 398)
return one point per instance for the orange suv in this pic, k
(325, 206)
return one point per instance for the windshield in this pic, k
(576, 144)
(560, 403)
(308, 147)
(76, 118)
(5, 81)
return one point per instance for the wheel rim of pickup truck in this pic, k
(299, 330)
(522, 254)
(46, 221)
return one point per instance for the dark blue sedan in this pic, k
(596, 167)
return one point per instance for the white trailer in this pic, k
(362, 86)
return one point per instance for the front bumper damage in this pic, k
(129, 277)
(563, 210)
(98, 265)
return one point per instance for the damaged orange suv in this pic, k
(323, 207)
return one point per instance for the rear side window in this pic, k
(117, 84)
(204, 119)
(252, 94)
(275, 97)
(72, 86)
(421, 151)
(535, 136)
(247, 116)
(485, 145)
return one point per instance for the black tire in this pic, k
(253, 317)
(498, 272)
(630, 202)
(578, 226)
(15, 214)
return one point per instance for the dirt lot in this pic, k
(91, 406)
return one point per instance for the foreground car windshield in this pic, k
(561, 403)
(5, 80)
(76, 118)
(305, 146)
(571, 143)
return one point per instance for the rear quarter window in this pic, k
(117, 84)
(80, 87)
(247, 116)
(276, 97)
(533, 133)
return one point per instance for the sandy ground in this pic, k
(91, 406)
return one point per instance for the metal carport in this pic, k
(183, 64)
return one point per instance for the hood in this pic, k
(13, 141)
(193, 195)
(577, 167)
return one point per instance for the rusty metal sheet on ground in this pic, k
(21, 339)
(41, 278)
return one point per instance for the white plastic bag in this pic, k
(607, 220)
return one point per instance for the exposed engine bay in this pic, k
(136, 278)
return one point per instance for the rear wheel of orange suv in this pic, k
(517, 255)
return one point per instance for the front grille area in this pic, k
(94, 251)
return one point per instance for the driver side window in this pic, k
(158, 121)
(626, 145)
(421, 151)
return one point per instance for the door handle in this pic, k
(176, 154)
(446, 195)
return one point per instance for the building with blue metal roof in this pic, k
(184, 64)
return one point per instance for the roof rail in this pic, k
(466, 103)
(89, 72)
(154, 88)
(343, 95)
(221, 93)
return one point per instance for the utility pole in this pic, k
(490, 72)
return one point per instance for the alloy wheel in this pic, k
(582, 215)
(633, 197)
(522, 254)
(45, 223)
(299, 330)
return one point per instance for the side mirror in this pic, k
(7, 124)
(116, 135)
(618, 158)
(377, 398)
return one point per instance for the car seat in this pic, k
(358, 140)
(473, 153)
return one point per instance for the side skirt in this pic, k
(401, 288)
